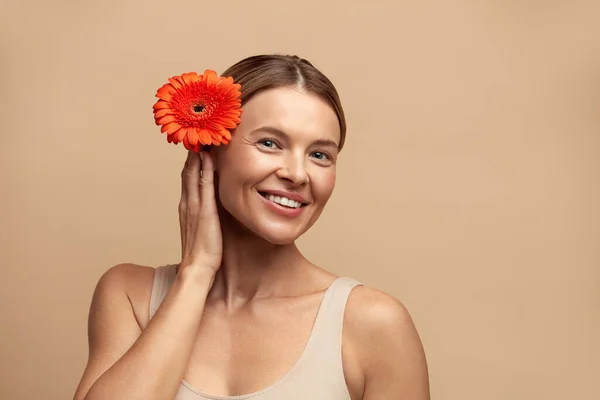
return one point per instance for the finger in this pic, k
(206, 182)
(183, 176)
(182, 209)
(192, 179)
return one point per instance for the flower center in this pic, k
(198, 108)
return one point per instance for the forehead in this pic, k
(296, 112)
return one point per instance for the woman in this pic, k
(244, 315)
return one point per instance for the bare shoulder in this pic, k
(125, 271)
(135, 281)
(117, 316)
(376, 310)
(386, 345)
(129, 277)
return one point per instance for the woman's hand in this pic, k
(147, 364)
(201, 238)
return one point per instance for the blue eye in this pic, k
(320, 156)
(271, 144)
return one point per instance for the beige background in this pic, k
(469, 187)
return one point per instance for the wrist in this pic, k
(196, 275)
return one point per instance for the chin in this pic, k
(278, 237)
(274, 232)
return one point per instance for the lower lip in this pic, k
(282, 210)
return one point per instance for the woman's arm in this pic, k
(388, 347)
(125, 363)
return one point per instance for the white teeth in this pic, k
(284, 201)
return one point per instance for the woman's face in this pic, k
(278, 171)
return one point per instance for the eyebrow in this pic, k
(278, 132)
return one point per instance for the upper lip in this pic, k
(289, 195)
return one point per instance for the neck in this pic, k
(252, 267)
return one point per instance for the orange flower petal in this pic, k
(181, 134)
(210, 77)
(225, 134)
(170, 128)
(216, 137)
(186, 143)
(166, 119)
(204, 136)
(178, 136)
(174, 109)
(213, 141)
(160, 104)
(230, 123)
(180, 80)
(174, 138)
(227, 81)
(162, 112)
(165, 92)
(176, 83)
(192, 135)
(190, 77)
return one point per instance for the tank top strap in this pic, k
(326, 337)
(164, 276)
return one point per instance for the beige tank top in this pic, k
(318, 373)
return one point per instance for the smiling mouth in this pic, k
(282, 201)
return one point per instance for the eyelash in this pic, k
(276, 143)
(325, 154)
(262, 141)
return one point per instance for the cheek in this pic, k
(226, 183)
(324, 184)
(234, 184)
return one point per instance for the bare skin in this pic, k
(243, 290)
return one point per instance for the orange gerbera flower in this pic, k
(198, 110)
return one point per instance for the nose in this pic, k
(293, 170)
